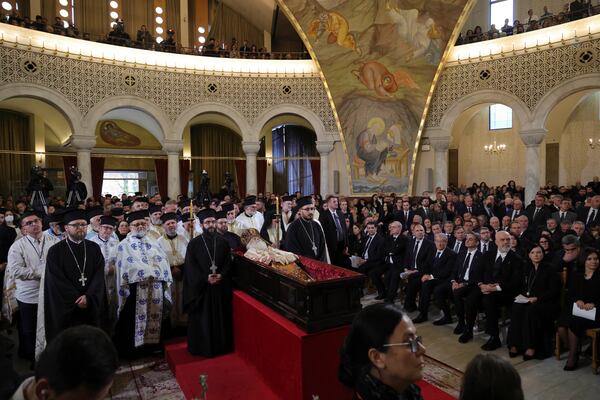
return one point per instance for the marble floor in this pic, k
(542, 379)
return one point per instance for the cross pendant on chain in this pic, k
(213, 268)
(82, 279)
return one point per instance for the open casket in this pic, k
(330, 299)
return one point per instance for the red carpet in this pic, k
(431, 392)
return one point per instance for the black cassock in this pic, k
(62, 286)
(301, 235)
(209, 307)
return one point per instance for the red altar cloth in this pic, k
(294, 364)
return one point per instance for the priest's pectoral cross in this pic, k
(314, 249)
(82, 279)
(213, 269)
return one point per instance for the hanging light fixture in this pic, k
(594, 143)
(494, 148)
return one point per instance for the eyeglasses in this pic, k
(413, 343)
(139, 224)
(79, 225)
(32, 222)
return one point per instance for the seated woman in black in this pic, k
(540, 285)
(382, 356)
(584, 292)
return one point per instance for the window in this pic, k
(500, 117)
(119, 182)
(499, 11)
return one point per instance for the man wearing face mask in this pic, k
(7, 238)
(250, 218)
(143, 282)
(207, 292)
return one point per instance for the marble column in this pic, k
(251, 149)
(83, 145)
(440, 147)
(173, 149)
(324, 148)
(532, 139)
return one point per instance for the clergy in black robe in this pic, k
(304, 236)
(207, 291)
(74, 287)
(221, 225)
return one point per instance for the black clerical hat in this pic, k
(206, 213)
(269, 217)
(126, 203)
(250, 200)
(106, 220)
(95, 211)
(185, 217)
(288, 198)
(142, 200)
(154, 208)
(221, 214)
(227, 207)
(303, 201)
(134, 216)
(169, 216)
(57, 216)
(73, 214)
(116, 212)
(185, 202)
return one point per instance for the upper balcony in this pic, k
(44, 42)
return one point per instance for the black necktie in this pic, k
(406, 216)
(367, 246)
(438, 255)
(592, 217)
(485, 247)
(338, 227)
(466, 265)
(415, 253)
(562, 216)
(469, 209)
(535, 213)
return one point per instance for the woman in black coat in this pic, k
(584, 293)
(533, 321)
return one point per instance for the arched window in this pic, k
(500, 117)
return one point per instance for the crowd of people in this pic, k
(145, 40)
(571, 12)
(143, 268)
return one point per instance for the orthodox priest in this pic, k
(108, 245)
(74, 290)
(174, 245)
(207, 291)
(305, 236)
(250, 218)
(143, 280)
(221, 224)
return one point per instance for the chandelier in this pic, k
(494, 148)
(594, 143)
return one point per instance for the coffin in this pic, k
(330, 300)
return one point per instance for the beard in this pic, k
(140, 233)
(77, 236)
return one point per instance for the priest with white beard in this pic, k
(108, 245)
(250, 218)
(156, 229)
(143, 280)
(287, 216)
(174, 245)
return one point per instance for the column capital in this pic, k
(172, 146)
(440, 143)
(325, 147)
(83, 142)
(533, 137)
(250, 148)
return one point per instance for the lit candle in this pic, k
(277, 205)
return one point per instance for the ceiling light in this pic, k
(158, 10)
(159, 39)
(6, 5)
(63, 3)
(65, 24)
(159, 20)
(64, 13)
(202, 39)
(159, 30)
(114, 14)
(114, 4)
(201, 29)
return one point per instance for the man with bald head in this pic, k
(517, 209)
(501, 283)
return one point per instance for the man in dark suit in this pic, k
(489, 207)
(419, 258)
(395, 249)
(590, 215)
(564, 214)
(537, 212)
(433, 279)
(469, 206)
(424, 210)
(517, 209)
(485, 241)
(405, 216)
(466, 276)
(501, 283)
(336, 234)
(456, 242)
(373, 258)
(527, 236)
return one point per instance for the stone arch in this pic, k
(295, 109)
(119, 102)
(551, 99)
(202, 108)
(52, 97)
(487, 96)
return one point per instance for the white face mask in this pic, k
(9, 219)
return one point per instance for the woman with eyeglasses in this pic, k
(382, 356)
